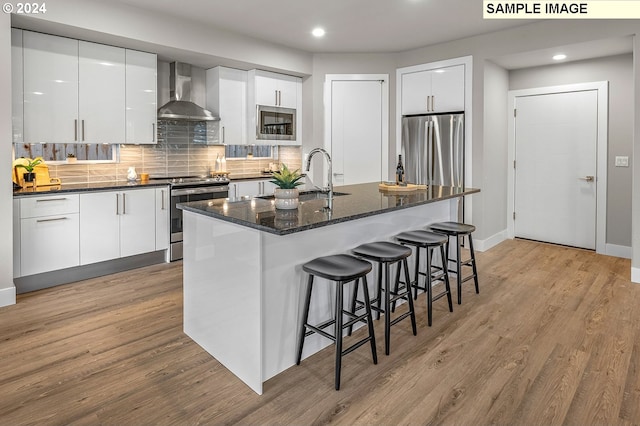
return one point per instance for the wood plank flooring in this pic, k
(552, 338)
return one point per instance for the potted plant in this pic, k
(71, 158)
(29, 175)
(286, 193)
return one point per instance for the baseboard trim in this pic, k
(85, 272)
(492, 241)
(7, 296)
(618, 251)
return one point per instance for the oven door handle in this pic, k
(205, 190)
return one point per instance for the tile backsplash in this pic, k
(182, 151)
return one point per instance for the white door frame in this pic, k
(384, 78)
(602, 148)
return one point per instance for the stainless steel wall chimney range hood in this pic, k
(180, 106)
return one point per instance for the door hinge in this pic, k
(514, 215)
(514, 112)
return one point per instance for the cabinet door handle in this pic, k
(433, 102)
(162, 204)
(83, 130)
(124, 203)
(44, 200)
(75, 129)
(222, 134)
(279, 98)
(276, 97)
(51, 220)
(153, 132)
(117, 204)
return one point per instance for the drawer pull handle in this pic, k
(51, 220)
(50, 199)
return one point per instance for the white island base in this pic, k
(244, 288)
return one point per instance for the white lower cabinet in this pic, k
(49, 234)
(252, 188)
(117, 224)
(162, 218)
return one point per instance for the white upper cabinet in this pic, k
(279, 90)
(82, 92)
(101, 92)
(50, 88)
(227, 98)
(432, 91)
(266, 87)
(141, 97)
(17, 114)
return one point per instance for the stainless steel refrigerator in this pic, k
(433, 149)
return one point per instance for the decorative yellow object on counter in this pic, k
(388, 186)
(41, 170)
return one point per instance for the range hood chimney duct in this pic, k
(180, 106)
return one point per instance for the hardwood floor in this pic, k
(552, 338)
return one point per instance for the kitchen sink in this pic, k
(309, 195)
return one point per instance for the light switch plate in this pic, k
(622, 161)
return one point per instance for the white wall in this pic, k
(496, 86)
(618, 70)
(7, 289)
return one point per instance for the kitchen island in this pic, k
(243, 279)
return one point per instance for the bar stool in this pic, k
(432, 273)
(386, 253)
(459, 231)
(342, 269)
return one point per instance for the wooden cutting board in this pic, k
(393, 187)
(42, 176)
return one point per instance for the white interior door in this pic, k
(556, 138)
(357, 123)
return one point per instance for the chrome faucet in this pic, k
(329, 175)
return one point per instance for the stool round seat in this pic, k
(339, 267)
(422, 238)
(453, 228)
(382, 251)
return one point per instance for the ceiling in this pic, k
(363, 26)
(352, 26)
(574, 52)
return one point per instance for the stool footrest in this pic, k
(356, 345)
(438, 296)
(400, 318)
(314, 329)
(470, 277)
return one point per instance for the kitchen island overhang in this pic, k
(243, 278)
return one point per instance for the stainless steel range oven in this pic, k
(187, 189)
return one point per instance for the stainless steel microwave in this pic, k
(275, 123)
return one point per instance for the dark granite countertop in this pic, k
(361, 200)
(87, 187)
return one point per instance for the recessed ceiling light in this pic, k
(559, 57)
(318, 32)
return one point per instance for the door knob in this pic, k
(588, 178)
